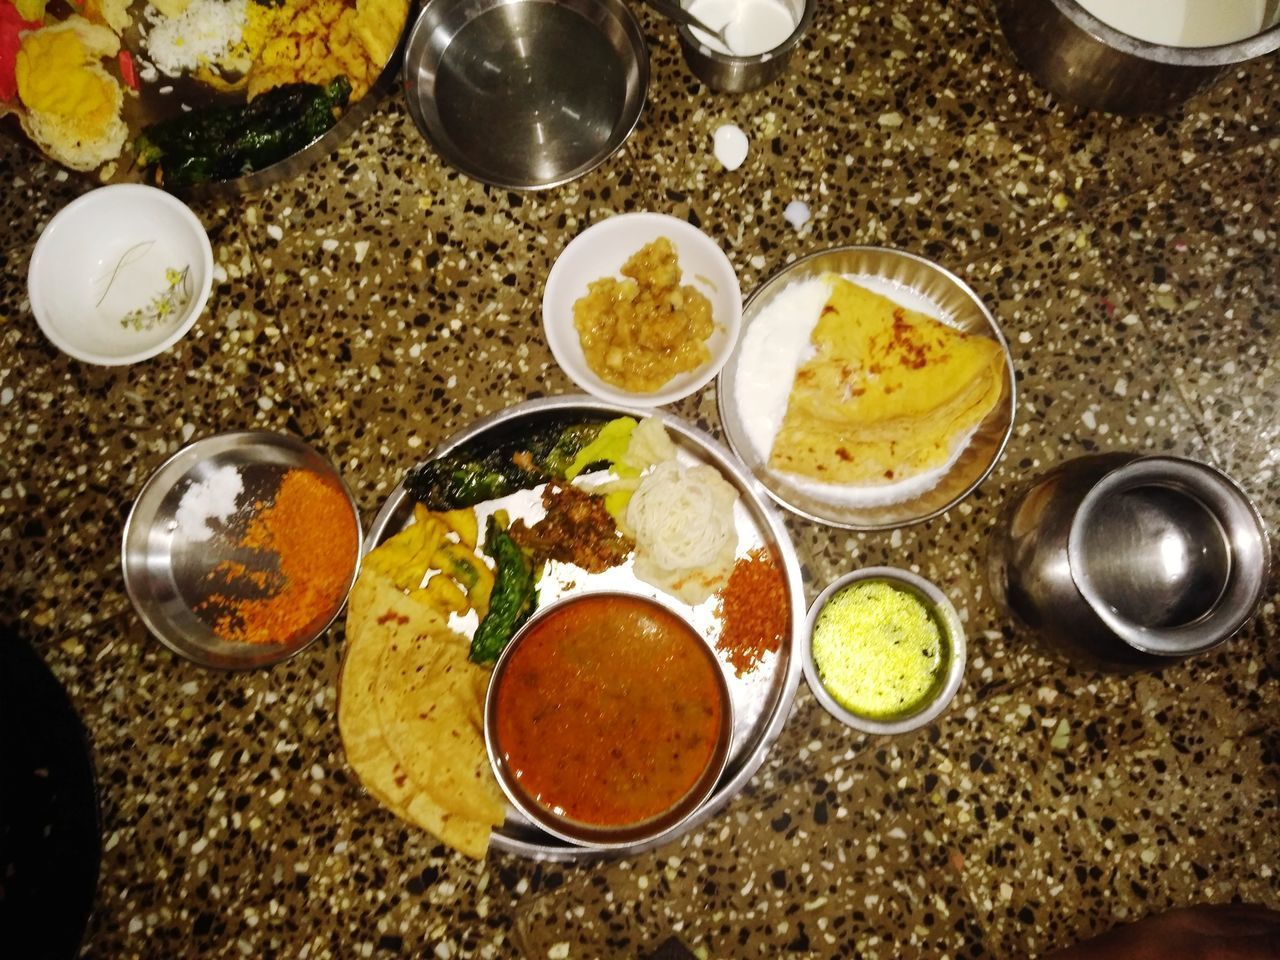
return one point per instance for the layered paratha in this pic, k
(889, 392)
(409, 710)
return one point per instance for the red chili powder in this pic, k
(310, 533)
(754, 610)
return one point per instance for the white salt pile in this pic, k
(210, 499)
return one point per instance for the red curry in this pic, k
(608, 710)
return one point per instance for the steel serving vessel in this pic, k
(737, 74)
(526, 94)
(761, 699)
(952, 302)
(1087, 62)
(655, 829)
(165, 573)
(1124, 561)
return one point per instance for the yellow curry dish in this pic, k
(267, 78)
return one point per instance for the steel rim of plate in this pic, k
(778, 280)
(138, 562)
(511, 154)
(771, 524)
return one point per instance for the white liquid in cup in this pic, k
(751, 26)
(1186, 23)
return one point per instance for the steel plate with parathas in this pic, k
(761, 697)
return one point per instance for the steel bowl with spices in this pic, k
(632, 736)
(241, 548)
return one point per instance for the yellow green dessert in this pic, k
(879, 649)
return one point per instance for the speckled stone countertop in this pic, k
(380, 302)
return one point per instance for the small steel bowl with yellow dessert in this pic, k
(885, 651)
(642, 308)
(870, 388)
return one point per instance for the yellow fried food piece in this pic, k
(73, 104)
(458, 562)
(462, 522)
(469, 571)
(171, 8)
(406, 557)
(465, 581)
(444, 595)
(377, 25)
(888, 394)
(313, 41)
(111, 13)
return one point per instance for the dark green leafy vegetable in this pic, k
(514, 594)
(470, 476)
(222, 143)
(564, 451)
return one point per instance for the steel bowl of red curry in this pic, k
(608, 720)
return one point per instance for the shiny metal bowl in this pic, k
(733, 74)
(526, 94)
(651, 831)
(953, 302)
(1089, 63)
(1122, 561)
(165, 574)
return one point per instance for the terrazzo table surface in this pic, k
(381, 302)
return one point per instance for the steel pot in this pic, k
(1086, 62)
(1124, 561)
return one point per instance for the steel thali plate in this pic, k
(526, 94)
(761, 698)
(166, 97)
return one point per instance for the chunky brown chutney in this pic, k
(640, 332)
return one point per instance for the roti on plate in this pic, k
(888, 394)
(383, 624)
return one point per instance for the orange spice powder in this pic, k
(310, 533)
(754, 610)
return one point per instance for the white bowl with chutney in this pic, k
(885, 651)
(619, 363)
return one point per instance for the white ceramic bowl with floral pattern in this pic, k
(120, 274)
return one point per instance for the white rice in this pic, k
(204, 33)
